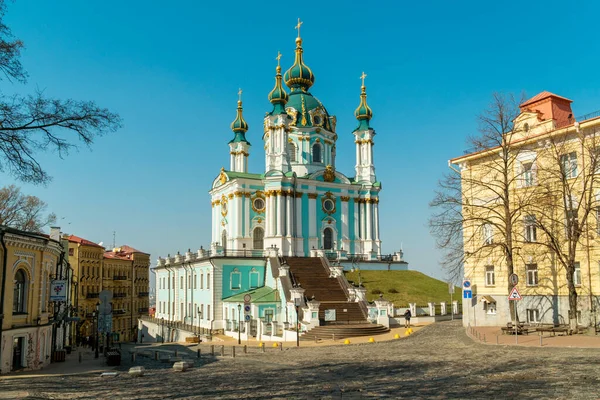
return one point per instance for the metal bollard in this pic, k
(496, 339)
(133, 357)
(263, 348)
(281, 346)
(245, 349)
(223, 351)
(541, 341)
(233, 351)
(315, 338)
(156, 355)
(199, 353)
(212, 349)
(484, 338)
(79, 356)
(175, 353)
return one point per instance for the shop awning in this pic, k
(487, 299)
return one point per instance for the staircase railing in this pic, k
(345, 285)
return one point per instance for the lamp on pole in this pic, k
(239, 324)
(97, 328)
(296, 303)
(162, 329)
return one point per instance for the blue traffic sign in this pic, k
(467, 294)
(247, 317)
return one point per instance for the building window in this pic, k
(292, 152)
(20, 293)
(258, 237)
(528, 177)
(173, 282)
(195, 281)
(201, 281)
(316, 153)
(488, 233)
(254, 278)
(201, 311)
(577, 275)
(490, 279)
(236, 280)
(568, 163)
(208, 312)
(208, 281)
(71, 251)
(533, 316)
(532, 274)
(328, 238)
(490, 308)
(571, 218)
(530, 228)
(181, 282)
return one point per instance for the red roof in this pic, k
(130, 250)
(123, 253)
(77, 239)
(542, 96)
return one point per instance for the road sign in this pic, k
(450, 288)
(58, 290)
(247, 317)
(467, 284)
(514, 294)
(513, 279)
(105, 296)
(247, 299)
(467, 294)
(247, 308)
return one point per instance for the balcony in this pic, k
(119, 278)
(119, 295)
(92, 295)
(143, 294)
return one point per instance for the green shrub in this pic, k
(376, 291)
(392, 290)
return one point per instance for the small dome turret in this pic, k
(299, 76)
(363, 112)
(239, 125)
(278, 96)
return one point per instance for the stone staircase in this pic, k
(343, 331)
(314, 277)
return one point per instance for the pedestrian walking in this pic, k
(407, 315)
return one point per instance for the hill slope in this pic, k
(412, 287)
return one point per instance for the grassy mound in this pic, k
(403, 287)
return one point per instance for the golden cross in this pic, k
(278, 58)
(363, 76)
(298, 26)
(240, 94)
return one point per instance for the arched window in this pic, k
(328, 239)
(236, 280)
(20, 293)
(292, 152)
(258, 238)
(224, 240)
(316, 153)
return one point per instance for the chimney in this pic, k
(55, 233)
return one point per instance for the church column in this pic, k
(312, 215)
(268, 211)
(356, 219)
(298, 214)
(369, 217)
(345, 216)
(363, 220)
(246, 202)
(232, 161)
(279, 214)
(289, 214)
(238, 209)
(376, 217)
(357, 155)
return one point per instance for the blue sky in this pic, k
(172, 71)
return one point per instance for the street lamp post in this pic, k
(297, 326)
(97, 328)
(239, 324)
(162, 329)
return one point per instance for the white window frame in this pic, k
(577, 275)
(529, 175)
(255, 273)
(488, 233)
(490, 308)
(530, 223)
(533, 315)
(569, 164)
(532, 274)
(490, 275)
(238, 274)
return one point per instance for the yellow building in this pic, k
(29, 262)
(551, 164)
(122, 271)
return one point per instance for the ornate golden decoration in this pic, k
(313, 195)
(293, 114)
(279, 192)
(290, 140)
(318, 140)
(299, 195)
(217, 202)
(223, 176)
(259, 220)
(247, 194)
(230, 195)
(224, 207)
(356, 200)
(328, 198)
(238, 194)
(329, 174)
(304, 122)
(344, 198)
(318, 130)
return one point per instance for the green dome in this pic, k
(278, 96)
(239, 125)
(310, 112)
(363, 113)
(299, 75)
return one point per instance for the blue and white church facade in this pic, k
(300, 202)
(300, 206)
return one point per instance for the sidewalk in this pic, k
(71, 366)
(493, 335)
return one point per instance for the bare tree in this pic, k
(477, 210)
(566, 205)
(24, 212)
(36, 123)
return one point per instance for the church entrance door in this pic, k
(328, 239)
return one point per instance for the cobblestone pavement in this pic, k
(440, 361)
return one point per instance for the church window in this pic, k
(292, 152)
(258, 238)
(328, 205)
(328, 239)
(224, 240)
(259, 204)
(316, 153)
(254, 278)
(236, 280)
(269, 315)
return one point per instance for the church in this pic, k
(281, 238)
(300, 202)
